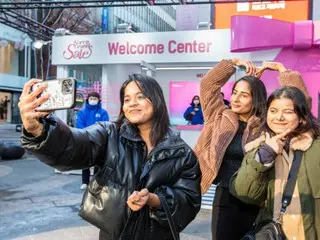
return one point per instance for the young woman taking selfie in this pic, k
(149, 183)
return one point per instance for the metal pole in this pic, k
(25, 62)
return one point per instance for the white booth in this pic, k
(178, 60)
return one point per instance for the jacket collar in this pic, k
(171, 139)
(129, 131)
(301, 142)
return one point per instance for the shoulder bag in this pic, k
(272, 230)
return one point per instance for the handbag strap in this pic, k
(291, 183)
(164, 203)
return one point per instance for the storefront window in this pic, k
(9, 58)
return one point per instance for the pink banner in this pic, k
(249, 33)
(300, 42)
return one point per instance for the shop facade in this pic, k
(15, 69)
(178, 60)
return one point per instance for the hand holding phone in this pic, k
(62, 94)
(27, 104)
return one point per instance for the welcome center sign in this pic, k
(160, 47)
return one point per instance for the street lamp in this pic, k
(124, 28)
(4, 43)
(62, 32)
(204, 25)
(38, 44)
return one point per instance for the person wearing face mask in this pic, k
(193, 114)
(90, 114)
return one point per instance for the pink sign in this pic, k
(300, 42)
(78, 50)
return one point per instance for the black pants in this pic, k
(86, 174)
(231, 218)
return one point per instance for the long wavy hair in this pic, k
(258, 93)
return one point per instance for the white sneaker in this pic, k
(83, 186)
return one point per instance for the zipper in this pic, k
(150, 161)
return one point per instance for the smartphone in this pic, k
(62, 94)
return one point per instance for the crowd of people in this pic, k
(261, 152)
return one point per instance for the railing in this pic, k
(11, 82)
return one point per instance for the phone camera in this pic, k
(66, 86)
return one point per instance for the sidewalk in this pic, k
(7, 126)
(83, 233)
(38, 204)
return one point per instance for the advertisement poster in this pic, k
(289, 11)
(181, 94)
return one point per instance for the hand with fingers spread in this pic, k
(250, 67)
(27, 105)
(277, 142)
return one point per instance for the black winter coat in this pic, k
(171, 168)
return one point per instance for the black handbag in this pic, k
(189, 117)
(95, 205)
(272, 230)
(266, 230)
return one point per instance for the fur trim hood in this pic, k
(302, 142)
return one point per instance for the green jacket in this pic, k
(254, 184)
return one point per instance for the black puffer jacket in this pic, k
(171, 169)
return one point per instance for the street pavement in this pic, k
(38, 204)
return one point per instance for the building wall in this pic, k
(112, 78)
(188, 16)
(143, 19)
(114, 75)
(316, 10)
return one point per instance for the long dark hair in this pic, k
(152, 90)
(308, 123)
(195, 96)
(258, 93)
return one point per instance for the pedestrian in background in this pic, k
(193, 114)
(4, 107)
(90, 114)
